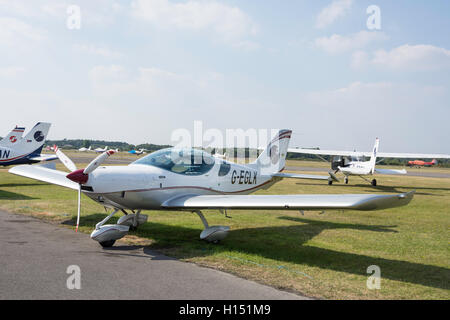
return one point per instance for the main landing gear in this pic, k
(107, 234)
(214, 233)
(374, 182)
(346, 180)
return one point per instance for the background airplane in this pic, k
(351, 163)
(84, 149)
(17, 150)
(99, 150)
(11, 138)
(421, 163)
(141, 151)
(192, 180)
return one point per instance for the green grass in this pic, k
(324, 256)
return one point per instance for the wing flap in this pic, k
(331, 176)
(290, 202)
(45, 174)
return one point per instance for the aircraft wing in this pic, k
(331, 176)
(44, 157)
(369, 154)
(290, 202)
(45, 174)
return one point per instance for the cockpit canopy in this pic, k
(190, 162)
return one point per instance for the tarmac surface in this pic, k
(35, 256)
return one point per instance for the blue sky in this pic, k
(138, 70)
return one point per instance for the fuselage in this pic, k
(356, 168)
(144, 186)
(10, 156)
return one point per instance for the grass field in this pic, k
(318, 255)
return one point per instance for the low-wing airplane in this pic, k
(84, 149)
(193, 180)
(17, 150)
(351, 163)
(141, 151)
(100, 150)
(421, 163)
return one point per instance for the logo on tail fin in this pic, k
(39, 136)
(274, 154)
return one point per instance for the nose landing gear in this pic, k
(107, 234)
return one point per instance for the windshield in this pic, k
(181, 161)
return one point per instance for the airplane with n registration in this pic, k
(351, 163)
(15, 149)
(193, 180)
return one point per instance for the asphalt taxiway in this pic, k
(35, 256)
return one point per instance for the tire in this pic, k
(330, 183)
(107, 244)
(374, 182)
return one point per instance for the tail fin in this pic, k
(273, 158)
(35, 139)
(373, 158)
(13, 138)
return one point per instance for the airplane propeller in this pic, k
(81, 176)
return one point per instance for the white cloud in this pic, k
(413, 57)
(16, 33)
(338, 44)
(9, 72)
(98, 50)
(337, 9)
(228, 22)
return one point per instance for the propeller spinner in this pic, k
(81, 176)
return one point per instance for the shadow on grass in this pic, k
(9, 185)
(284, 243)
(389, 189)
(6, 195)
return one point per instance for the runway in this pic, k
(35, 256)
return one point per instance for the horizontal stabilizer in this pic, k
(390, 171)
(42, 173)
(44, 157)
(291, 202)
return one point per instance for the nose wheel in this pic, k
(374, 182)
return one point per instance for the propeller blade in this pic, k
(65, 159)
(97, 161)
(79, 208)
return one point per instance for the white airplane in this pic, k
(192, 180)
(17, 150)
(100, 150)
(141, 151)
(84, 149)
(350, 163)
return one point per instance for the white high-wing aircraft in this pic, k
(100, 150)
(193, 180)
(17, 150)
(84, 149)
(350, 163)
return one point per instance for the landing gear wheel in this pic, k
(330, 182)
(132, 228)
(346, 180)
(107, 244)
(374, 182)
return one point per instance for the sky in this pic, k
(338, 73)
